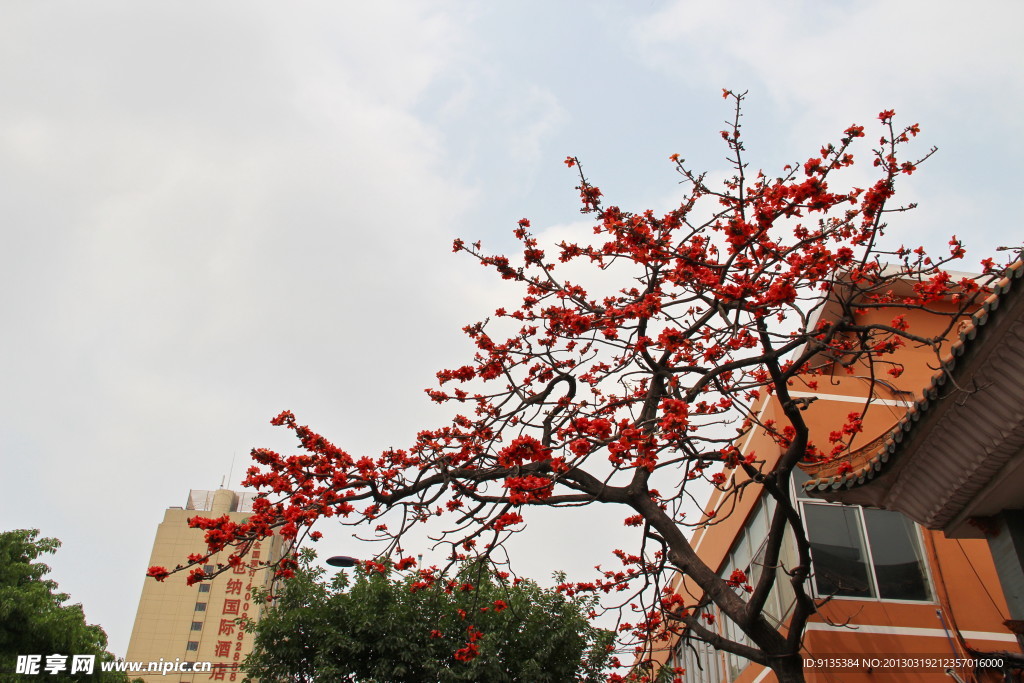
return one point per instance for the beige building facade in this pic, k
(176, 622)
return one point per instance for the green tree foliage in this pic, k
(379, 625)
(33, 617)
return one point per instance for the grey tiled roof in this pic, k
(974, 407)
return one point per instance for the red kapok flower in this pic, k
(467, 653)
(405, 563)
(737, 578)
(195, 576)
(158, 573)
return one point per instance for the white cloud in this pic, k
(209, 218)
(851, 59)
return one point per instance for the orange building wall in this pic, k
(962, 577)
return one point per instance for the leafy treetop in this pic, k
(33, 617)
(381, 626)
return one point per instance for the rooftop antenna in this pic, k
(232, 469)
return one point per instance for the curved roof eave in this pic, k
(958, 450)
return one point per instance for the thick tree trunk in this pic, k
(789, 669)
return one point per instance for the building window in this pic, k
(197, 626)
(863, 552)
(897, 556)
(747, 555)
(855, 552)
(193, 645)
(200, 606)
(701, 661)
(204, 588)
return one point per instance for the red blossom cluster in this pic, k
(506, 520)
(471, 649)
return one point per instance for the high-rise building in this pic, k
(177, 622)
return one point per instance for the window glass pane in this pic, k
(696, 669)
(757, 565)
(712, 663)
(758, 526)
(771, 606)
(726, 626)
(783, 587)
(897, 555)
(837, 550)
(734, 663)
(689, 662)
(798, 477)
(193, 645)
(204, 588)
(200, 606)
(696, 664)
(739, 558)
(700, 662)
(774, 606)
(758, 531)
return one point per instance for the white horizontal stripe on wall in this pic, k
(912, 631)
(851, 399)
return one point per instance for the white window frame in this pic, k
(764, 508)
(803, 501)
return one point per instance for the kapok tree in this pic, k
(575, 396)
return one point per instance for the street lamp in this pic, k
(342, 561)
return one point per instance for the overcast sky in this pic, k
(215, 211)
